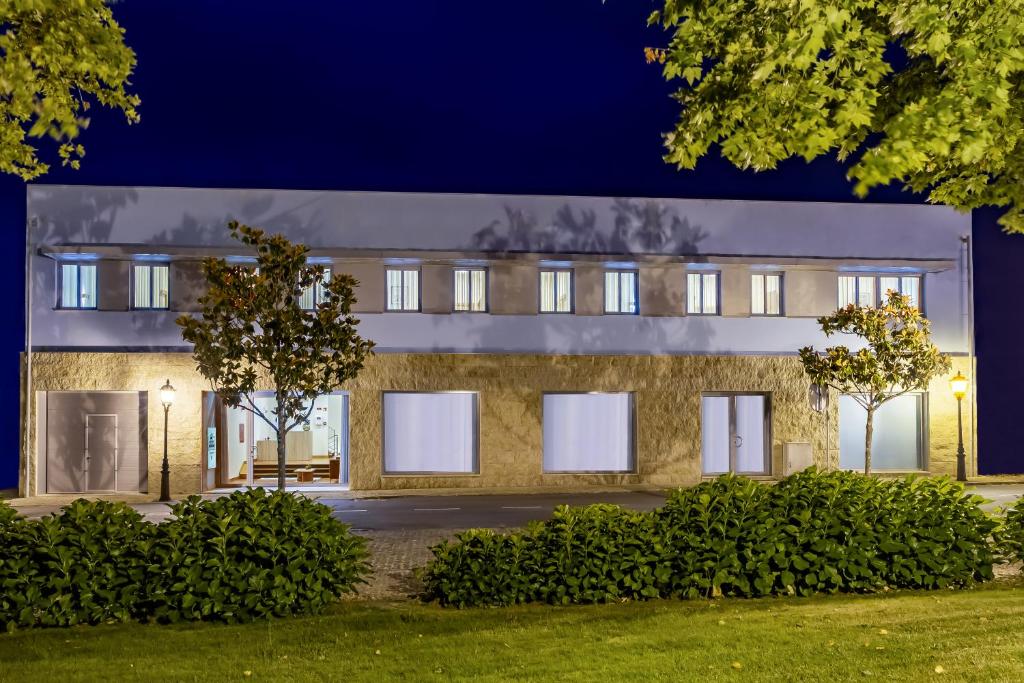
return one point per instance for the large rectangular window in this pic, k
(766, 294)
(315, 294)
(403, 286)
(588, 432)
(898, 434)
(870, 290)
(151, 286)
(77, 286)
(620, 292)
(556, 291)
(430, 433)
(471, 290)
(702, 293)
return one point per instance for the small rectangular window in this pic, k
(702, 293)
(590, 432)
(766, 294)
(430, 433)
(471, 290)
(151, 286)
(403, 286)
(556, 291)
(620, 294)
(315, 294)
(77, 286)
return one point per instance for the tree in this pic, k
(254, 327)
(898, 356)
(57, 57)
(926, 94)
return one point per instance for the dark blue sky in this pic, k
(537, 96)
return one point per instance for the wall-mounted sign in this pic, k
(211, 448)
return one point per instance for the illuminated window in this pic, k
(766, 294)
(870, 290)
(620, 292)
(471, 290)
(77, 286)
(702, 293)
(403, 286)
(556, 291)
(151, 286)
(315, 294)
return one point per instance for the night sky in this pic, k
(534, 97)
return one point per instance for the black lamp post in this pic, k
(959, 386)
(166, 398)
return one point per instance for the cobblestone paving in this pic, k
(393, 557)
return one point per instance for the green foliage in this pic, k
(240, 558)
(921, 93)
(253, 329)
(1011, 534)
(898, 356)
(56, 57)
(252, 555)
(812, 533)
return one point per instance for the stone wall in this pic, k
(667, 394)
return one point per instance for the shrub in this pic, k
(813, 532)
(1011, 534)
(83, 565)
(252, 555)
(246, 556)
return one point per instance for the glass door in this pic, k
(734, 434)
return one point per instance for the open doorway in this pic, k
(316, 451)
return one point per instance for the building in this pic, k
(522, 341)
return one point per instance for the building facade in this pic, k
(521, 341)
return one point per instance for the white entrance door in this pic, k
(734, 430)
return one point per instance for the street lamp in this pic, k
(166, 398)
(959, 387)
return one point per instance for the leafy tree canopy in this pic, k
(254, 331)
(898, 356)
(56, 57)
(923, 93)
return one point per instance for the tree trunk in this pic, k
(281, 454)
(869, 432)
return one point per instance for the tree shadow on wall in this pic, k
(76, 215)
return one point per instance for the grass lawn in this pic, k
(967, 635)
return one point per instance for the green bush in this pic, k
(1011, 534)
(249, 555)
(252, 555)
(811, 533)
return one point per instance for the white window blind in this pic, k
(471, 289)
(316, 293)
(766, 294)
(430, 432)
(78, 286)
(151, 284)
(556, 291)
(588, 432)
(620, 292)
(702, 293)
(870, 290)
(403, 289)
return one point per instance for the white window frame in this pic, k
(402, 286)
(474, 471)
(468, 307)
(152, 289)
(879, 294)
(701, 276)
(316, 290)
(617, 276)
(555, 294)
(764, 275)
(633, 469)
(78, 282)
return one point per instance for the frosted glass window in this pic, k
(556, 291)
(77, 286)
(151, 286)
(315, 294)
(766, 294)
(749, 439)
(471, 290)
(897, 441)
(733, 433)
(430, 432)
(403, 285)
(620, 292)
(715, 434)
(702, 293)
(588, 432)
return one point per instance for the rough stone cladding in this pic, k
(667, 395)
